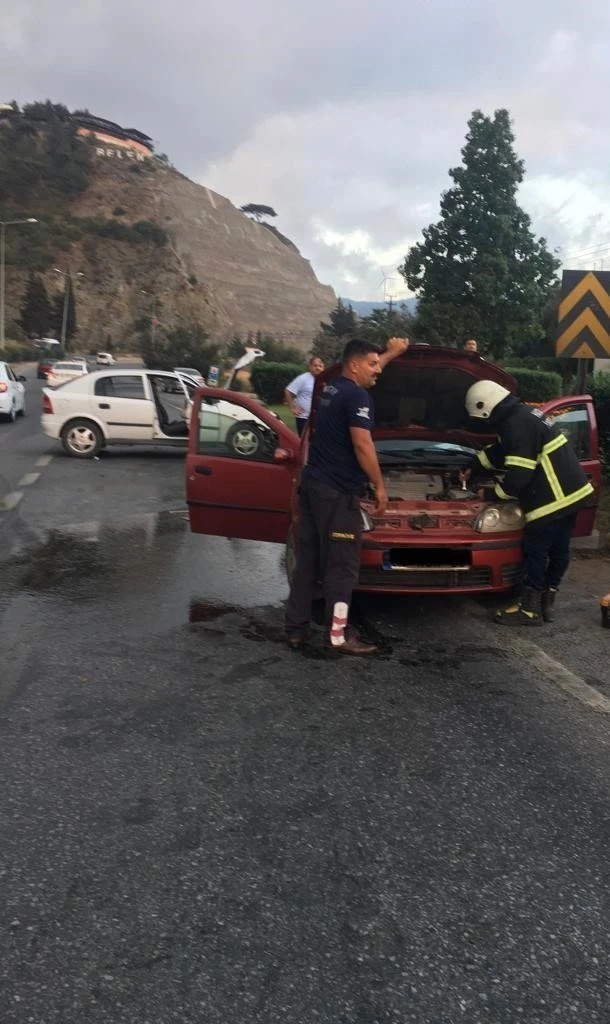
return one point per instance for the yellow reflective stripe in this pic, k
(516, 460)
(551, 476)
(483, 459)
(553, 445)
(555, 506)
(501, 493)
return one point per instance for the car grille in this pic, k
(443, 579)
(512, 574)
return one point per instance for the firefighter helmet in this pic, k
(483, 397)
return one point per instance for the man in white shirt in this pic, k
(299, 392)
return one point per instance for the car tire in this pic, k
(22, 410)
(82, 439)
(12, 415)
(245, 440)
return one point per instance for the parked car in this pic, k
(65, 370)
(12, 394)
(105, 359)
(434, 537)
(189, 371)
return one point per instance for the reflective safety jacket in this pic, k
(541, 470)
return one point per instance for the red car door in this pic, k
(575, 416)
(241, 468)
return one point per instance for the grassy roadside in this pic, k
(284, 414)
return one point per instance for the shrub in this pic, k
(269, 380)
(19, 353)
(536, 385)
(599, 388)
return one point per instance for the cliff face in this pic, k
(218, 268)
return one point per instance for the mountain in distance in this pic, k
(364, 308)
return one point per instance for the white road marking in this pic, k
(563, 677)
(555, 672)
(44, 460)
(11, 501)
(29, 478)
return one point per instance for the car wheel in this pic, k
(12, 415)
(82, 439)
(22, 410)
(245, 440)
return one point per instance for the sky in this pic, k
(344, 117)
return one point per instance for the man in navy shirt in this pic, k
(342, 458)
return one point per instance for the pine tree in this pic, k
(480, 272)
(36, 312)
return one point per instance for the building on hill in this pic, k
(111, 134)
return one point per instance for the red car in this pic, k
(435, 536)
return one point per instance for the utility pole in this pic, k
(67, 288)
(4, 224)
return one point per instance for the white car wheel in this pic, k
(22, 410)
(12, 416)
(82, 439)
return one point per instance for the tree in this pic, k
(480, 272)
(36, 312)
(257, 211)
(382, 324)
(342, 326)
(58, 312)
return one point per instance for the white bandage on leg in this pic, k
(337, 629)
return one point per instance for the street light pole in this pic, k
(4, 224)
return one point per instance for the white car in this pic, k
(105, 359)
(118, 407)
(65, 370)
(190, 371)
(12, 394)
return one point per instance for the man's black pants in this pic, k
(301, 424)
(330, 535)
(546, 551)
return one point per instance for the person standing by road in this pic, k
(299, 392)
(542, 473)
(342, 458)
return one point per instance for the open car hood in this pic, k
(422, 393)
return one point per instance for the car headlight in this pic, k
(500, 518)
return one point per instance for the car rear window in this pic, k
(69, 366)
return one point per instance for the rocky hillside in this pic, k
(208, 264)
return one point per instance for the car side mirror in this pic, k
(22, 378)
(283, 455)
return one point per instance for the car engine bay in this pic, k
(406, 484)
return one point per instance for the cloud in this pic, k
(345, 118)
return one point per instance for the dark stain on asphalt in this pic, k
(140, 812)
(209, 611)
(60, 560)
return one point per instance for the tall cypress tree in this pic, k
(480, 271)
(36, 312)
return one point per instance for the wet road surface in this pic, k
(199, 825)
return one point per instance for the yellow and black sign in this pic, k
(583, 319)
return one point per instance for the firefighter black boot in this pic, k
(548, 603)
(526, 612)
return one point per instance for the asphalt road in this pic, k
(201, 826)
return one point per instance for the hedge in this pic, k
(270, 380)
(599, 387)
(19, 353)
(536, 385)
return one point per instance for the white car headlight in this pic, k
(500, 518)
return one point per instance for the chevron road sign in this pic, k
(583, 319)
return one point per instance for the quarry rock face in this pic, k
(218, 268)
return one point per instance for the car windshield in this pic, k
(392, 450)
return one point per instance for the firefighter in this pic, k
(542, 473)
(342, 458)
